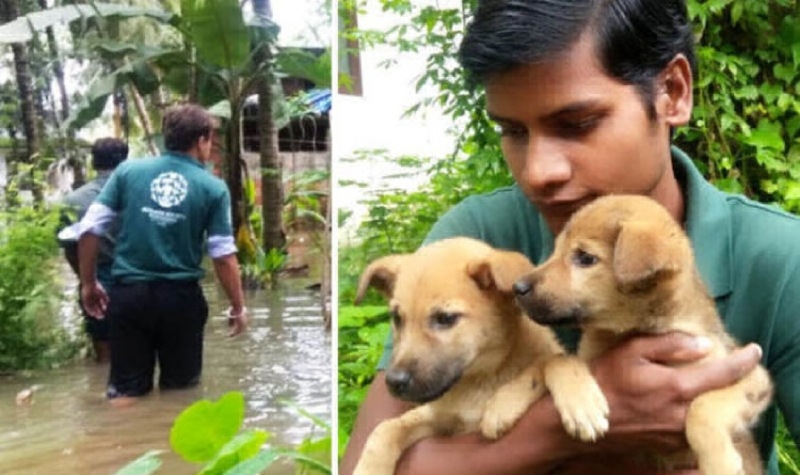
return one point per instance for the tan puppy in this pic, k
(466, 353)
(623, 265)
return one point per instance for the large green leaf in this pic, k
(23, 28)
(243, 447)
(93, 102)
(218, 31)
(304, 64)
(204, 428)
(139, 73)
(256, 464)
(144, 465)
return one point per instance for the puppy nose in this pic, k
(398, 380)
(522, 287)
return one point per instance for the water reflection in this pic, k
(70, 429)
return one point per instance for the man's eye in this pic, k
(582, 258)
(578, 128)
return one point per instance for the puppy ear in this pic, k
(499, 270)
(381, 274)
(643, 253)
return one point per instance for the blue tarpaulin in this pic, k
(319, 100)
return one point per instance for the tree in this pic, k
(271, 167)
(9, 9)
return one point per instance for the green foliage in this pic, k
(362, 332)
(204, 428)
(144, 465)
(31, 335)
(217, 31)
(304, 200)
(209, 432)
(300, 63)
(746, 128)
(25, 27)
(788, 452)
(263, 269)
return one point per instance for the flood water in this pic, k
(284, 357)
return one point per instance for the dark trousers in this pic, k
(155, 321)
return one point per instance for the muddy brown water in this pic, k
(284, 358)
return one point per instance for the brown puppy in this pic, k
(465, 352)
(622, 266)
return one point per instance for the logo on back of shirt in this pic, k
(169, 189)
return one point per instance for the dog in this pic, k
(622, 266)
(465, 354)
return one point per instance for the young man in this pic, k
(107, 153)
(586, 94)
(168, 208)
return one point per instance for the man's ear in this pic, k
(674, 99)
(381, 275)
(499, 270)
(643, 253)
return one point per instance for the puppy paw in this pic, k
(584, 412)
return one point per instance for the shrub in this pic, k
(31, 335)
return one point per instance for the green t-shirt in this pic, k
(167, 206)
(747, 253)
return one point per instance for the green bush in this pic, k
(745, 131)
(31, 335)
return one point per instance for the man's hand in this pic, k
(649, 387)
(94, 299)
(237, 321)
(649, 392)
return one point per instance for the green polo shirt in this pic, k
(167, 207)
(748, 254)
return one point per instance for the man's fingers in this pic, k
(238, 325)
(719, 373)
(671, 348)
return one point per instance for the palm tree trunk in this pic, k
(234, 162)
(75, 163)
(9, 9)
(271, 167)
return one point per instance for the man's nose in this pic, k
(546, 164)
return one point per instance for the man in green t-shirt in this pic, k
(586, 95)
(169, 208)
(107, 154)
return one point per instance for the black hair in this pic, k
(635, 39)
(184, 124)
(108, 152)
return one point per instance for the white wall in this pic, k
(302, 22)
(374, 120)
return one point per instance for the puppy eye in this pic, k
(582, 258)
(444, 320)
(397, 320)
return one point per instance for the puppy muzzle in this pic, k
(542, 309)
(409, 385)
